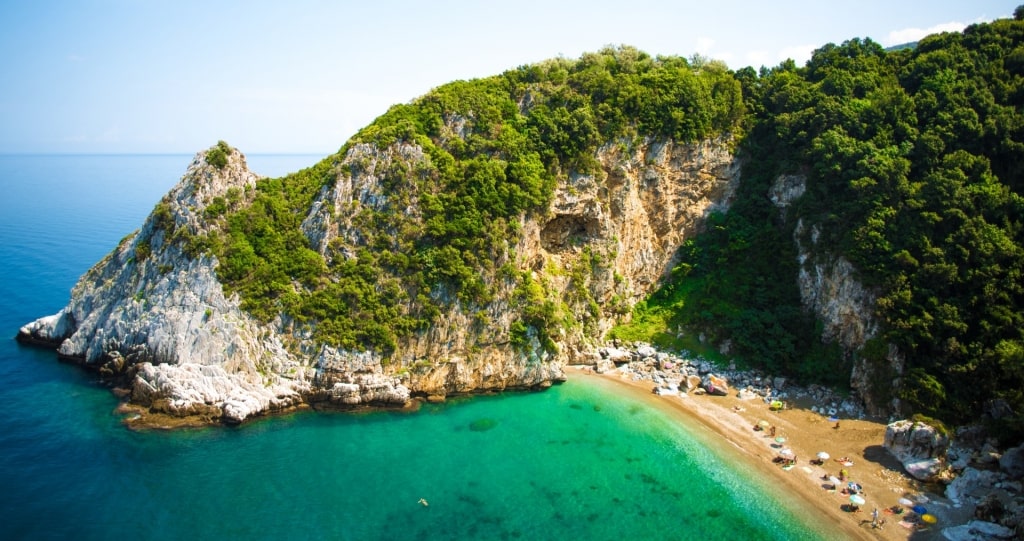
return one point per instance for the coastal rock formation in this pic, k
(153, 317)
(921, 448)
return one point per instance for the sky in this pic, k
(302, 76)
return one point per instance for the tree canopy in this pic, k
(913, 161)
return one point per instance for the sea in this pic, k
(579, 461)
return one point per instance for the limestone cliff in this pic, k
(830, 288)
(154, 318)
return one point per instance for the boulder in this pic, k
(690, 383)
(1012, 462)
(990, 509)
(920, 447)
(604, 365)
(971, 484)
(646, 352)
(977, 530)
(925, 469)
(616, 355)
(716, 385)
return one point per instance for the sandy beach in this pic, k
(806, 433)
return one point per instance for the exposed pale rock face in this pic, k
(920, 447)
(830, 289)
(150, 314)
(786, 189)
(153, 316)
(828, 285)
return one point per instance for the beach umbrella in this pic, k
(857, 499)
(763, 424)
(904, 501)
(930, 519)
(919, 509)
(822, 455)
(834, 480)
(786, 452)
(780, 439)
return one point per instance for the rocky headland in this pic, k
(154, 320)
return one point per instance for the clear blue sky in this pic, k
(129, 76)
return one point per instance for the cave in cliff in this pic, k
(565, 231)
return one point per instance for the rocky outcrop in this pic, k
(153, 318)
(978, 530)
(829, 288)
(921, 448)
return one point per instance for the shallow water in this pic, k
(578, 461)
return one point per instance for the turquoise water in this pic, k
(575, 462)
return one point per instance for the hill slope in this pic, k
(492, 230)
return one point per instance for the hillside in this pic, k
(904, 167)
(856, 221)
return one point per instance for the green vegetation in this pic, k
(218, 155)
(914, 162)
(494, 149)
(914, 168)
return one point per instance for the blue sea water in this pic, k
(579, 461)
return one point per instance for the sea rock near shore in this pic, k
(920, 447)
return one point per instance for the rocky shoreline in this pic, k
(673, 373)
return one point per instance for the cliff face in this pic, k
(830, 289)
(153, 316)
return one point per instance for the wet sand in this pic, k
(806, 433)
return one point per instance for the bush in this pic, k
(218, 155)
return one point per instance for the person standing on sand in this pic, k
(874, 518)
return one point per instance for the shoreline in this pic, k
(733, 419)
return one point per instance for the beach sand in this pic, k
(881, 476)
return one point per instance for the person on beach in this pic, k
(771, 431)
(874, 518)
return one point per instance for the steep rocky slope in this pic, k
(154, 318)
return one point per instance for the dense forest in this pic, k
(913, 162)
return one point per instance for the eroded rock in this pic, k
(921, 448)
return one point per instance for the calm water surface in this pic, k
(575, 462)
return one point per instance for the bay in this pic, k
(575, 462)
